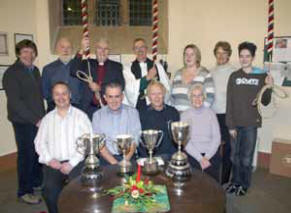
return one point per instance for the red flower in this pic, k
(141, 190)
(133, 188)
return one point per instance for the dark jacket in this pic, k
(113, 74)
(242, 90)
(55, 72)
(159, 120)
(23, 91)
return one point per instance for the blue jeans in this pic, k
(28, 169)
(242, 153)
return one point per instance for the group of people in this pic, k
(218, 105)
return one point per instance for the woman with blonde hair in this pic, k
(190, 74)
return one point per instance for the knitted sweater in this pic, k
(180, 90)
(220, 74)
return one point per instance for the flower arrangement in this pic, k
(137, 194)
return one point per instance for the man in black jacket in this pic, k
(103, 71)
(22, 85)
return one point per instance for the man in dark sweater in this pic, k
(158, 116)
(242, 117)
(22, 85)
(59, 70)
(103, 71)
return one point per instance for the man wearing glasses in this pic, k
(140, 73)
(103, 71)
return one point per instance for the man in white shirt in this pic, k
(55, 144)
(139, 73)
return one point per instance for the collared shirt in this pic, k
(113, 123)
(56, 137)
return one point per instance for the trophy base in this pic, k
(179, 168)
(150, 167)
(91, 177)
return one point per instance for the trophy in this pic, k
(179, 168)
(123, 144)
(90, 146)
(150, 138)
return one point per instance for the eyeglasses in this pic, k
(102, 48)
(197, 96)
(140, 48)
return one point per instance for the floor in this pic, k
(268, 194)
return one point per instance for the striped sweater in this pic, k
(180, 90)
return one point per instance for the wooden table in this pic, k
(200, 194)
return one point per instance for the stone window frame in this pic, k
(112, 33)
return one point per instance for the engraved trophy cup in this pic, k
(90, 146)
(179, 168)
(123, 144)
(149, 139)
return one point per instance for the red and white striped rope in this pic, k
(270, 36)
(155, 34)
(84, 8)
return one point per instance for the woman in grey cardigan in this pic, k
(187, 76)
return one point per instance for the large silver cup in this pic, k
(123, 144)
(90, 145)
(151, 139)
(179, 168)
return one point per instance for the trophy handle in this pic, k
(101, 143)
(141, 140)
(80, 144)
(161, 138)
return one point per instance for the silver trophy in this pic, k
(123, 144)
(179, 168)
(150, 139)
(90, 145)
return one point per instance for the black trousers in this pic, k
(226, 149)
(28, 169)
(54, 182)
(213, 170)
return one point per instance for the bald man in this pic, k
(59, 70)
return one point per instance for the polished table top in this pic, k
(200, 194)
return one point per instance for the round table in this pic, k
(200, 194)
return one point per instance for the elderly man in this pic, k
(220, 74)
(22, 85)
(139, 74)
(115, 119)
(56, 144)
(158, 115)
(59, 70)
(103, 71)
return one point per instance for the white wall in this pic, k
(15, 17)
(202, 22)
